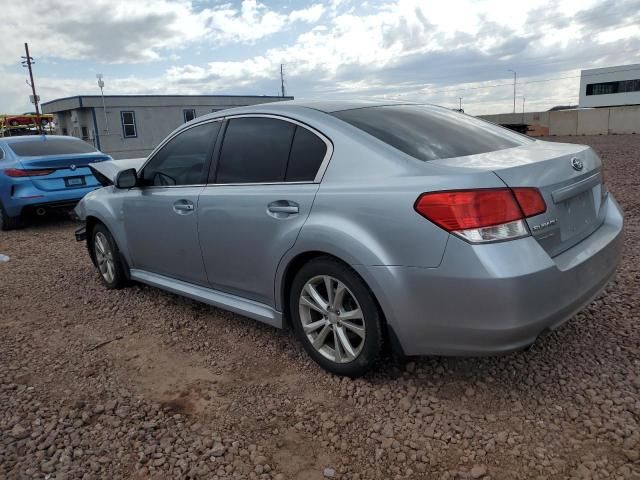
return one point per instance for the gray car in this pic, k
(360, 224)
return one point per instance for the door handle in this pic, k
(183, 206)
(282, 208)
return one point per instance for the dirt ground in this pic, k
(183, 390)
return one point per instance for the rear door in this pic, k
(260, 193)
(160, 217)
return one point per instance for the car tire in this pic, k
(107, 257)
(14, 123)
(7, 222)
(334, 334)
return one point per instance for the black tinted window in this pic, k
(430, 133)
(182, 160)
(255, 150)
(307, 153)
(51, 146)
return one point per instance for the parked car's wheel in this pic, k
(108, 258)
(44, 122)
(14, 123)
(336, 317)
(7, 222)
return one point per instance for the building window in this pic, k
(65, 132)
(85, 133)
(129, 129)
(608, 88)
(189, 114)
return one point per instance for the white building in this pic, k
(610, 87)
(130, 126)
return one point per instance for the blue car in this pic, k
(38, 173)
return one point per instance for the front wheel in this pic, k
(336, 317)
(107, 257)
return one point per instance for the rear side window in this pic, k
(50, 146)
(307, 153)
(431, 133)
(182, 160)
(255, 150)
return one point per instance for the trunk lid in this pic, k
(569, 178)
(69, 171)
(62, 161)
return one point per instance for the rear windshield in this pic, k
(430, 133)
(62, 146)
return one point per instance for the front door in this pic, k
(161, 216)
(259, 196)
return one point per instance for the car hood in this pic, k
(106, 172)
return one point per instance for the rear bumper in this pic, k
(16, 206)
(495, 298)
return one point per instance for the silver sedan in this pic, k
(360, 224)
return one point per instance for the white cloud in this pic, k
(403, 48)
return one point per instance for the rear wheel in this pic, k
(336, 317)
(7, 222)
(107, 257)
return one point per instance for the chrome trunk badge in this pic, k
(577, 164)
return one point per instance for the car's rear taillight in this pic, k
(16, 172)
(483, 215)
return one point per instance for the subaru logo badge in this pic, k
(577, 164)
(73, 167)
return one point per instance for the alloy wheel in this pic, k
(332, 319)
(104, 257)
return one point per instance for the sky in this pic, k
(414, 50)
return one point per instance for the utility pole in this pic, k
(282, 78)
(523, 109)
(460, 108)
(104, 107)
(27, 62)
(514, 90)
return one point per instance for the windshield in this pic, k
(430, 133)
(58, 146)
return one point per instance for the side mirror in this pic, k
(127, 178)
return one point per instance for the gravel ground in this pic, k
(187, 391)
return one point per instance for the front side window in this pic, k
(182, 160)
(129, 128)
(255, 150)
(431, 133)
(189, 114)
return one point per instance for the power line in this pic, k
(452, 88)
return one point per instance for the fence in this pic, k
(587, 121)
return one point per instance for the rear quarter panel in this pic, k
(364, 211)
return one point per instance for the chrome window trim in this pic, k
(323, 165)
(319, 175)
